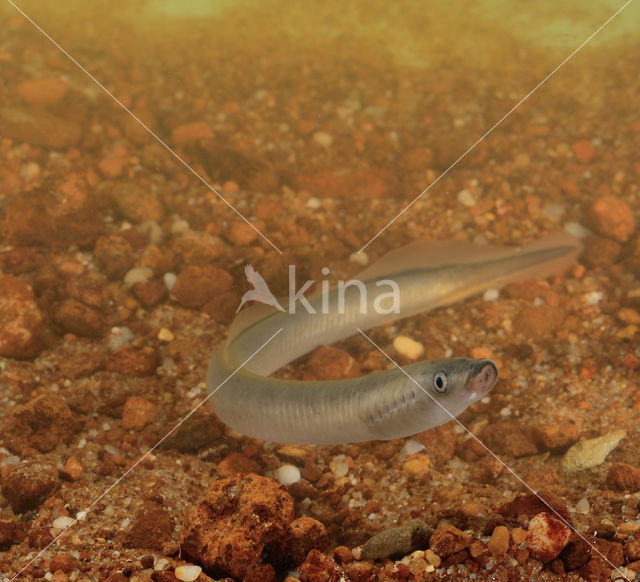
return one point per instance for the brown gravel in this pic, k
(20, 320)
(27, 484)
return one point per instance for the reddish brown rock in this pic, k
(447, 540)
(20, 320)
(115, 255)
(498, 544)
(547, 536)
(196, 285)
(235, 463)
(63, 563)
(132, 361)
(188, 132)
(242, 234)
(42, 423)
(195, 248)
(556, 437)
(150, 293)
(510, 437)
(137, 203)
(7, 531)
(600, 251)
(613, 218)
(72, 469)
(237, 524)
(59, 213)
(27, 484)
(151, 528)
(202, 429)
(363, 183)
(319, 568)
(329, 363)
(530, 505)
(138, 413)
(303, 535)
(623, 477)
(38, 127)
(583, 150)
(632, 549)
(80, 319)
(538, 322)
(223, 307)
(42, 92)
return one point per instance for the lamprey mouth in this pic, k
(484, 378)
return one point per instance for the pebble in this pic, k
(361, 259)
(491, 295)
(169, 280)
(498, 544)
(197, 284)
(137, 203)
(27, 484)
(39, 128)
(623, 477)
(165, 335)
(329, 363)
(590, 453)
(21, 330)
(190, 132)
(115, 255)
(314, 203)
(63, 522)
(138, 412)
(235, 463)
(42, 92)
(418, 466)
(138, 275)
(613, 218)
(42, 423)
(241, 234)
(133, 362)
(187, 573)
(221, 532)
(287, 475)
(397, 541)
(412, 447)
(324, 139)
(466, 198)
(80, 319)
(583, 506)
(448, 539)
(408, 348)
(303, 535)
(72, 469)
(547, 536)
(583, 151)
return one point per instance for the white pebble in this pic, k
(313, 203)
(138, 275)
(160, 563)
(322, 138)
(361, 259)
(407, 347)
(576, 229)
(170, 280)
(466, 198)
(491, 295)
(593, 298)
(287, 475)
(340, 470)
(62, 522)
(412, 447)
(81, 515)
(187, 573)
(583, 506)
(165, 335)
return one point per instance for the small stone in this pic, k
(38, 127)
(287, 475)
(600, 251)
(132, 362)
(241, 233)
(138, 413)
(498, 544)
(63, 522)
(72, 469)
(612, 218)
(196, 285)
(20, 320)
(583, 150)
(115, 255)
(318, 568)
(63, 563)
(196, 248)
(408, 348)
(518, 535)
(624, 477)
(26, 485)
(418, 466)
(152, 527)
(303, 535)
(447, 540)
(42, 423)
(343, 554)
(165, 335)
(322, 138)
(190, 132)
(590, 453)
(240, 521)
(556, 437)
(136, 203)
(467, 198)
(329, 363)
(137, 275)
(42, 92)
(187, 573)
(150, 293)
(510, 437)
(547, 536)
(235, 463)
(80, 319)
(397, 541)
(632, 549)
(7, 531)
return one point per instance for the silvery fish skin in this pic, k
(386, 405)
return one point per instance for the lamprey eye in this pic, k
(440, 382)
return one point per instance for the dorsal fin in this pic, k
(425, 254)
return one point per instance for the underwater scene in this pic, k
(333, 291)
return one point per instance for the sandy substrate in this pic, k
(120, 273)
